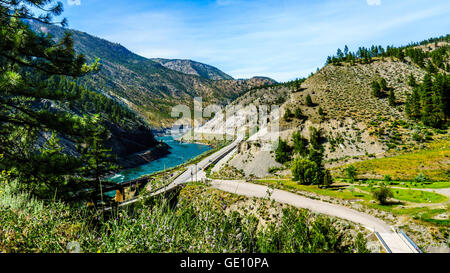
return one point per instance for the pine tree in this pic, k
(321, 112)
(315, 138)
(391, 97)
(309, 101)
(412, 81)
(414, 105)
(427, 98)
(287, 115)
(339, 54)
(327, 178)
(283, 152)
(27, 63)
(97, 160)
(316, 153)
(431, 68)
(383, 84)
(300, 144)
(298, 114)
(376, 89)
(346, 51)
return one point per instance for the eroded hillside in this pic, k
(355, 125)
(147, 86)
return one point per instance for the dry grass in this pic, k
(433, 161)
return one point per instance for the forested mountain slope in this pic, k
(130, 139)
(145, 85)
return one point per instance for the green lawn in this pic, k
(352, 192)
(424, 214)
(418, 185)
(405, 184)
(345, 194)
(414, 196)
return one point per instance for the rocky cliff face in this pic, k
(194, 68)
(151, 87)
(130, 139)
(136, 147)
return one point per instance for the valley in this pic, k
(353, 158)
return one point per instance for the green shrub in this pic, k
(351, 172)
(382, 193)
(421, 178)
(192, 226)
(298, 114)
(273, 170)
(283, 152)
(305, 171)
(361, 244)
(296, 235)
(309, 101)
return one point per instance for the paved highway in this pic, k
(194, 172)
(393, 242)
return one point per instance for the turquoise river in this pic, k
(179, 154)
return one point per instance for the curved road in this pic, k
(260, 191)
(194, 172)
(394, 242)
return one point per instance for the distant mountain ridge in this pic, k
(147, 86)
(194, 68)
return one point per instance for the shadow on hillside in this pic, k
(392, 203)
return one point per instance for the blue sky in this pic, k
(281, 39)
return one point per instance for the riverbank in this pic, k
(180, 153)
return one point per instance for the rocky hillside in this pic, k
(338, 99)
(130, 139)
(194, 68)
(145, 85)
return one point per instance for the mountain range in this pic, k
(151, 87)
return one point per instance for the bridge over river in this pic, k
(393, 241)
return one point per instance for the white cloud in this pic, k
(74, 2)
(373, 2)
(253, 41)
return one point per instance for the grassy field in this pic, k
(414, 196)
(292, 185)
(434, 162)
(350, 192)
(401, 184)
(424, 214)
(363, 194)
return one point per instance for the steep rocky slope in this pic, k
(145, 85)
(130, 139)
(355, 124)
(193, 68)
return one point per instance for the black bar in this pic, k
(221, 262)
